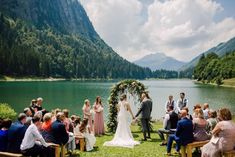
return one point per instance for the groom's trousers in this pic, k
(145, 126)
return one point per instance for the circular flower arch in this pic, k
(133, 87)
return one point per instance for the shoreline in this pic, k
(228, 83)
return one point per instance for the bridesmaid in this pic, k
(98, 119)
(87, 113)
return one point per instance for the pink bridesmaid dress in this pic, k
(98, 120)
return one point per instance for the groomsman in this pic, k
(145, 111)
(170, 102)
(182, 102)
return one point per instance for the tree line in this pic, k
(213, 69)
(29, 51)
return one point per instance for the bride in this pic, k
(123, 136)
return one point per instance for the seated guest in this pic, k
(205, 110)
(28, 113)
(223, 135)
(6, 124)
(170, 102)
(200, 126)
(46, 127)
(69, 128)
(212, 119)
(58, 131)
(170, 122)
(183, 134)
(33, 143)
(16, 134)
(77, 126)
(197, 106)
(86, 132)
(189, 116)
(55, 112)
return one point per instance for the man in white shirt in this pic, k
(170, 102)
(182, 102)
(33, 143)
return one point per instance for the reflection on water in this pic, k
(71, 94)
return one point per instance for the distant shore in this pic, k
(226, 83)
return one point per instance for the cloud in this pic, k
(181, 29)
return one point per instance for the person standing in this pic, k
(145, 111)
(87, 113)
(182, 102)
(170, 102)
(98, 119)
(205, 110)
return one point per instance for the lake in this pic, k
(71, 94)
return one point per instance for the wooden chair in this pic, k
(81, 142)
(6, 154)
(229, 153)
(189, 147)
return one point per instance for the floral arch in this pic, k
(133, 87)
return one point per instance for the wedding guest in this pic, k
(32, 106)
(212, 119)
(189, 116)
(29, 115)
(182, 102)
(223, 135)
(6, 124)
(87, 113)
(46, 127)
(55, 112)
(58, 131)
(170, 122)
(33, 143)
(69, 128)
(67, 122)
(183, 134)
(170, 102)
(38, 106)
(200, 127)
(98, 118)
(205, 110)
(16, 134)
(197, 106)
(89, 137)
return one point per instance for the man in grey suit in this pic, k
(145, 111)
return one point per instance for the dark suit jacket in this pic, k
(15, 136)
(59, 133)
(184, 131)
(145, 109)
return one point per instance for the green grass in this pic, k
(229, 82)
(148, 148)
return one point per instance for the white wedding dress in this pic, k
(123, 136)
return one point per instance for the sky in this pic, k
(181, 29)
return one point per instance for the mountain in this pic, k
(221, 49)
(159, 61)
(55, 38)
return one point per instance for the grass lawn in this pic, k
(148, 148)
(229, 82)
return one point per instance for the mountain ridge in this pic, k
(157, 61)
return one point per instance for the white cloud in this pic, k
(179, 28)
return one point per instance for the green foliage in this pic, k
(26, 50)
(212, 69)
(165, 74)
(6, 111)
(133, 87)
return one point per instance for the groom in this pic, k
(145, 110)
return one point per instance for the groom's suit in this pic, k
(145, 111)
